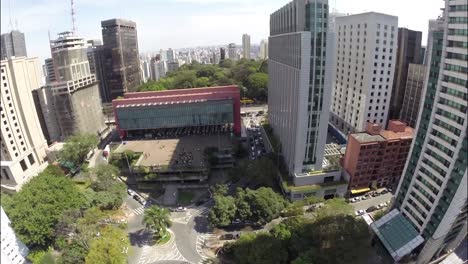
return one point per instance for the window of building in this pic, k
(31, 159)
(23, 165)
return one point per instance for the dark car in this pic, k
(371, 209)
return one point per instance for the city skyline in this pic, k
(187, 23)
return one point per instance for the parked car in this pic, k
(384, 191)
(181, 209)
(229, 236)
(360, 212)
(131, 192)
(139, 199)
(382, 205)
(372, 209)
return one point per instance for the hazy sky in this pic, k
(176, 24)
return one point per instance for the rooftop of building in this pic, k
(374, 133)
(117, 22)
(174, 154)
(397, 234)
(371, 13)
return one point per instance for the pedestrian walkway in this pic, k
(201, 243)
(141, 210)
(166, 252)
(200, 210)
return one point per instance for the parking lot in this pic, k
(373, 201)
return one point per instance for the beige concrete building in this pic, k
(22, 142)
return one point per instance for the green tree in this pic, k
(257, 85)
(104, 177)
(378, 215)
(243, 207)
(223, 211)
(265, 204)
(108, 247)
(262, 172)
(262, 248)
(219, 189)
(36, 208)
(157, 219)
(77, 147)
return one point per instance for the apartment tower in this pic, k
(365, 63)
(23, 145)
(246, 46)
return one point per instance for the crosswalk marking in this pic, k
(141, 210)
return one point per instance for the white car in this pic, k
(181, 209)
(382, 205)
(131, 192)
(360, 212)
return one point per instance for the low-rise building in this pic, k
(376, 158)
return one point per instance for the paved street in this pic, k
(189, 234)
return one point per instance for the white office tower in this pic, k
(13, 250)
(246, 46)
(157, 69)
(432, 194)
(365, 62)
(299, 89)
(23, 146)
(145, 65)
(263, 49)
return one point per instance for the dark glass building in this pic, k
(121, 63)
(13, 44)
(409, 51)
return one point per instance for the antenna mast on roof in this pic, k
(11, 19)
(73, 16)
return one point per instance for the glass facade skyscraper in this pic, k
(432, 193)
(299, 95)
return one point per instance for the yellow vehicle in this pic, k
(246, 101)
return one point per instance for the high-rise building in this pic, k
(49, 70)
(14, 251)
(222, 54)
(146, 70)
(120, 57)
(422, 55)
(366, 56)
(74, 97)
(157, 69)
(413, 92)
(383, 151)
(246, 46)
(170, 55)
(172, 65)
(232, 51)
(13, 44)
(263, 49)
(430, 206)
(96, 65)
(23, 146)
(299, 90)
(408, 51)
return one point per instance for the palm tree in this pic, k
(157, 219)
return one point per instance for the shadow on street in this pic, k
(140, 238)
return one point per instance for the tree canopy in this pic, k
(109, 247)
(260, 205)
(157, 219)
(36, 208)
(245, 73)
(77, 147)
